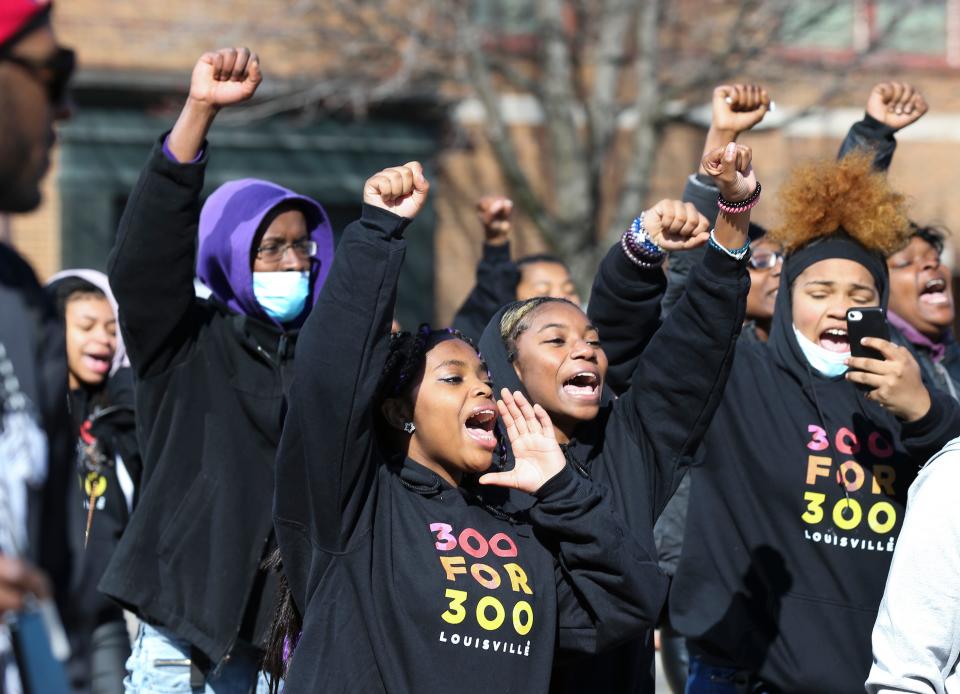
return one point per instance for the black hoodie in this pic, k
(406, 584)
(638, 443)
(210, 403)
(783, 569)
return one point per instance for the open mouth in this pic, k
(934, 293)
(480, 427)
(583, 386)
(97, 363)
(835, 340)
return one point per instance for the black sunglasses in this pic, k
(53, 73)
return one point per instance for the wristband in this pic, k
(736, 254)
(639, 248)
(741, 205)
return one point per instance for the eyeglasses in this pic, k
(274, 252)
(53, 73)
(765, 260)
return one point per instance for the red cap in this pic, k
(17, 15)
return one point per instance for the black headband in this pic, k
(838, 245)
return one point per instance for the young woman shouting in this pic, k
(410, 578)
(640, 444)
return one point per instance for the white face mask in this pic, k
(282, 294)
(823, 360)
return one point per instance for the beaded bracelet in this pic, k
(741, 205)
(639, 248)
(634, 259)
(736, 254)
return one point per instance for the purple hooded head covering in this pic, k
(228, 224)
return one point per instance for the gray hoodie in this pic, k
(916, 640)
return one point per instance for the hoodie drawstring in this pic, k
(834, 469)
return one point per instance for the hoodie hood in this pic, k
(783, 341)
(99, 280)
(229, 222)
(494, 352)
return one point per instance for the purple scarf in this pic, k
(937, 349)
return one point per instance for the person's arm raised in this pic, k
(221, 78)
(735, 109)
(679, 379)
(626, 296)
(497, 275)
(891, 107)
(153, 262)
(326, 461)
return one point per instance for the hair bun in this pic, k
(823, 197)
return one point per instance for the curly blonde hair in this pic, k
(822, 197)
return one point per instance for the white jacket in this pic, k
(916, 640)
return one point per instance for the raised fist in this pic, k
(494, 213)
(225, 77)
(739, 107)
(399, 189)
(732, 171)
(676, 226)
(896, 104)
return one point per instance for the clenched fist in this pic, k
(896, 104)
(494, 213)
(738, 107)
(676, 226)
(732, 171)
(225, 77)
(399, 189)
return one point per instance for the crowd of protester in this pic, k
(273, 489)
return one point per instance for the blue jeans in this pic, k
(159, 664)
(713, 679)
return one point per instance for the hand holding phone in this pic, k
(888, 373)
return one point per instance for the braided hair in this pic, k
(405, 360)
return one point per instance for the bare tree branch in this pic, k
(646, 105)
(568, 158)
(498, 133)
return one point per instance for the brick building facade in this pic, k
(135, 60)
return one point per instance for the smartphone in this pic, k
(37, 650)
(866, 322)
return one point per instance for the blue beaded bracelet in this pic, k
(736, 254)
(639, 248)
(639, 233)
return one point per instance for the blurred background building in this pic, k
(583, 111)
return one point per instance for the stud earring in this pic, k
(409, 427)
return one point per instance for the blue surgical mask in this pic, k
(828, 363)
(282, 294)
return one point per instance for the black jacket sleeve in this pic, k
(496, 286)
(703, 195)
(873, 135)
(608, 588)
(152, 265)
(680, 377)
(929, 434)
(327, 462)
(626, 308)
